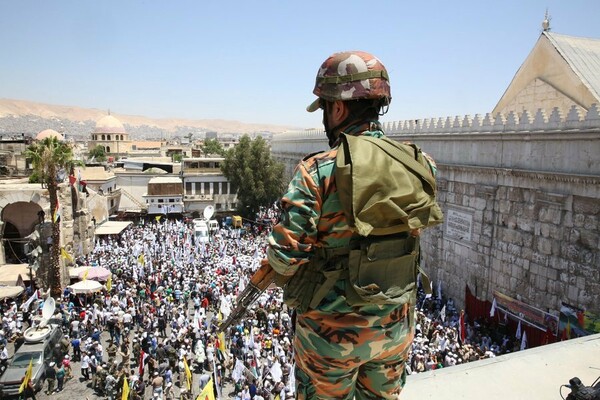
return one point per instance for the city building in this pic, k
(561, 71)
(111, 135)
(164, 195)
(103, 194)
(205, 185)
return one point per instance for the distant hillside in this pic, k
(18, 116)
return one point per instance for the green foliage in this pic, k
(35, 177)
(257, 177)
(98, 153)
(48, 157)
(213, 146)
(178, 157)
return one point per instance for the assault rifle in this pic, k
(260, 281)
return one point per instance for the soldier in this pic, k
(99, 381)
(111, 350)
(136, 350)
(65, 345)
(345, 345)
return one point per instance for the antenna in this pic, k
(47, 311)
(546, 22)
(208, 212)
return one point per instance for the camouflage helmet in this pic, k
(351, 75)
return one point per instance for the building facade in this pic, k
(205, 185)
(164, 195)
(111, 135)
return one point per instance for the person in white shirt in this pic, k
(85, 366)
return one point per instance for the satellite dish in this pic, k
(47, 311)
(208, 212)
(39, 333)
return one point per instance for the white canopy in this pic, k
(112, 227)
(86, 286)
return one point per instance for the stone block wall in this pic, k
(538, 241)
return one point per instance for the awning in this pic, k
(112, 227)
(9, 273)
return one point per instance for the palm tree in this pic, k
(49, 157)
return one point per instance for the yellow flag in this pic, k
(188, 373)
(27, 376)
(207, 393)
(109, 283)
(125, 394)
(158, 218)
(219, 316)
(141, 259)
(221, 337)
(85, 274)
(65, 254)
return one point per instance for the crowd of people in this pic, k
(154, 330)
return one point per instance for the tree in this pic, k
(178, 157)
(258, 178)
(98, 153)
(213, 146)
(50, 159)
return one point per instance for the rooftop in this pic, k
(533, 374)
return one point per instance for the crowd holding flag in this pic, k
(109, 283)
(188, 374)
(65, 254)
(143, 357)
(524, 341)
(27, 377)
(493, 309)
(207, 392)
(125, 391)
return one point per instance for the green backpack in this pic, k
(385, 187)
(387, 190)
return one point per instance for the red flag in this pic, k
(462, 330)
(143, 357)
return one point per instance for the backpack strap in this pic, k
(391, 147)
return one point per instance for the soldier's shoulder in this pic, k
(319, 158)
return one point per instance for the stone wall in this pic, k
(521, 199)
(75, 221)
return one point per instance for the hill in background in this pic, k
(30, 118)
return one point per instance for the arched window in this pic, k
(103, 137)
(121, 137)
(108, 136)
(108, 149)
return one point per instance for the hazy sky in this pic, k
(255, 61)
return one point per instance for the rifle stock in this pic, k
(260, 281)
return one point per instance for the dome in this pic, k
(109, 124)
(49, 133)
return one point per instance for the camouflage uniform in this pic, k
(341, 352)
